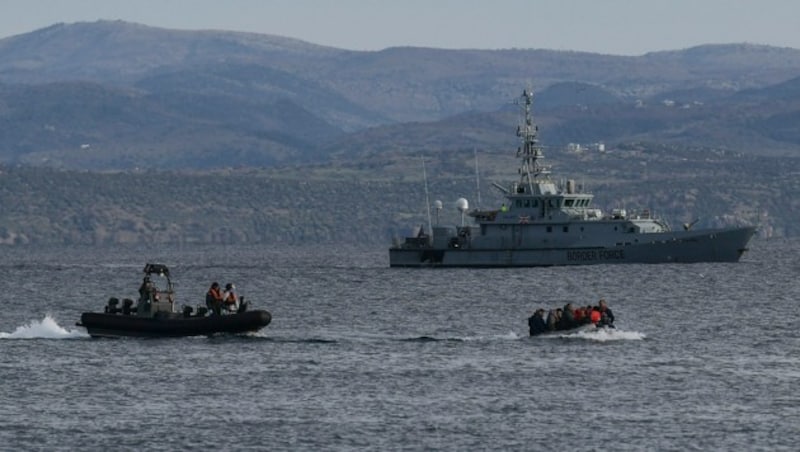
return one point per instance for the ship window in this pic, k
(566, 228)
(581, 228)
(568, 202)
(527, 203)
(549, 229)
(519, 203)
(535, 203)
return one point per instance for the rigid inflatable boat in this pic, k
(155, 315)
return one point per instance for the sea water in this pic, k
(363, 357)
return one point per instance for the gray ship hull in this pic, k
(719, 245)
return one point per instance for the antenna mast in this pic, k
(530, 153)
(427, 197)
(477, 178)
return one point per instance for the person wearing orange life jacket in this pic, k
(214, 299)
(595, 315)
(229, 298)
(588, 310)
(579, 316)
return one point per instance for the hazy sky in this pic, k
(627, 27)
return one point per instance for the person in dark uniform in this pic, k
(536, 323)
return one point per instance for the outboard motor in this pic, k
(127, 306)
(111, 307)
(187, 311)
(201, 311)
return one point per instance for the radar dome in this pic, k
(437, 204)
(462, 205)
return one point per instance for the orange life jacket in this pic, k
(595, 316)
(214, 293)
(579, 314)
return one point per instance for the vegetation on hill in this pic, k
(377, 198)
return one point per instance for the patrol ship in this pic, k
(544, 223)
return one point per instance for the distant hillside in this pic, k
(89, 126)
(760, 125)
(117, 95)
(123, 52)
(369, 201)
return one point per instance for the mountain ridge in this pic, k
(167, 98)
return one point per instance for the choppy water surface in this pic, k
(360, 356)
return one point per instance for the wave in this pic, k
(264, 336)
(600, 335)
(510, 336)
(47, 328)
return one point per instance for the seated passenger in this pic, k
(568, 318)
(229, 298)
(536, 323)
(553, 318)
(588, 314)
(579, 316)
(595, 315)
(214, 299)
(606, 312)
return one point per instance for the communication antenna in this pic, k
(477, 178)
(427, 197)
(462, 205)
(438, 206)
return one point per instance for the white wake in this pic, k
(47, 328)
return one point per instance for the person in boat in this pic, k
(588, 315)
(606, 316)
(148, 293)
(229, 299)
(567, 318)
(580, 315)
(145, 289)
(536, 324)
(594, 315)
(553, 319)
(214, 298)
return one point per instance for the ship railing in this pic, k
(423, 241)
(484, 215)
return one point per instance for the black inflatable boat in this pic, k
(154, 315)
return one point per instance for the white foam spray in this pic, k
(47, 328)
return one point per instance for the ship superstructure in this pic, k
(546, 223)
